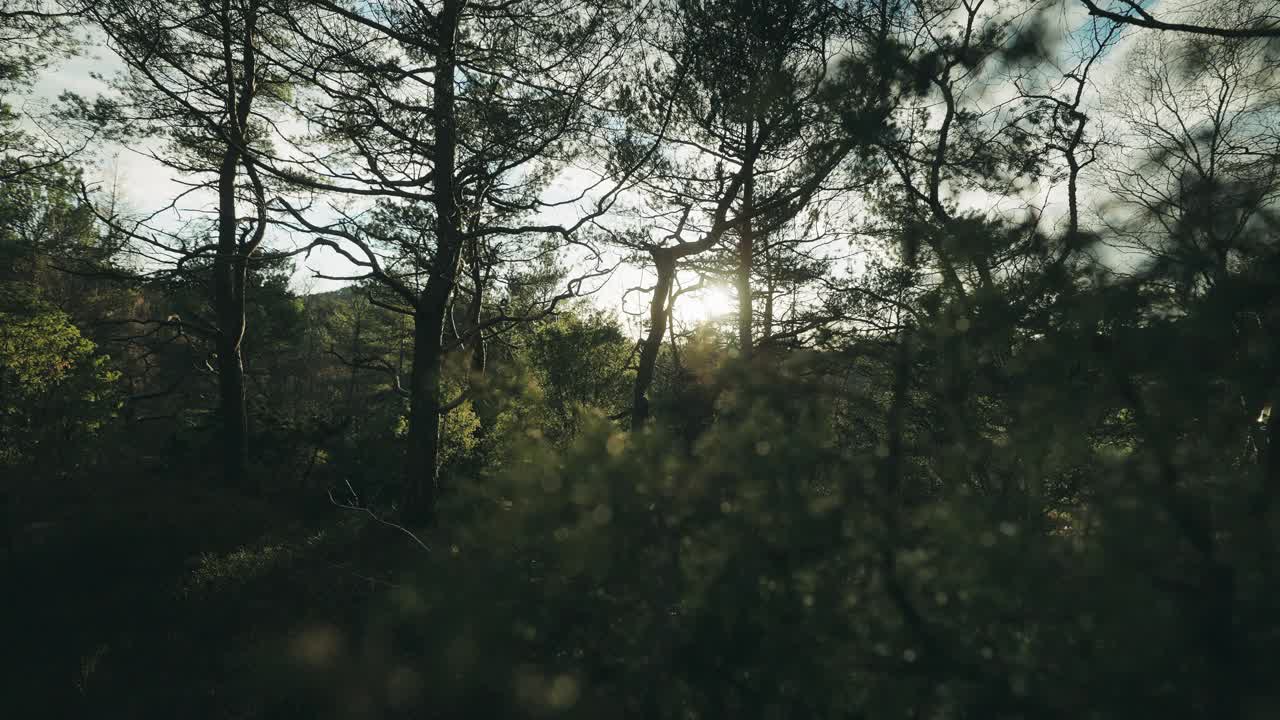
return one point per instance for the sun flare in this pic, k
(709, 304)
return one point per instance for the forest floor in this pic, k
(159, 599)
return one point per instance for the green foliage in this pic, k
(53, 387)
(55, 384)
(39, 351)
(579, 362)
(220, 573)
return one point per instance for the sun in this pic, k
(706, 305)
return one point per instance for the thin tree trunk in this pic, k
(231, 261)
(771, 288)
(358, 321)
(476, 342)
(424, 413)
(665, 263)
(483, 402)
(228, 298)
(1271, 458)
(422, 461)
(746, 249)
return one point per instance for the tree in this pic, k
(740, 94)
(197, 77)
(1133, 12)
(1193, 173)
(755, 102)
(34, 34)
(482, 104)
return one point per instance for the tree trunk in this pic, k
(418, 503)
(358, 322)
(665, 263)
(1271, 462)
(746, 249)
(229, 270)
(422, 460)
(771, 289)
(475, 344)
(486, 408)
